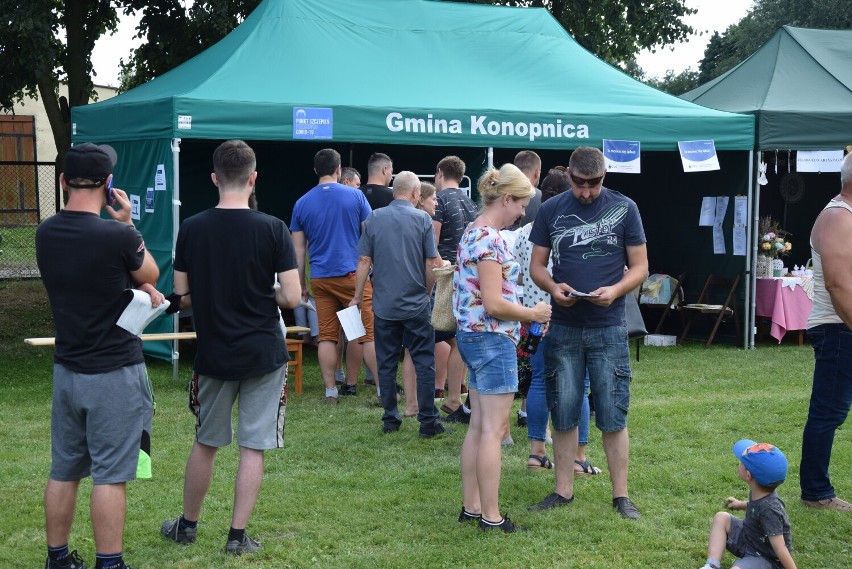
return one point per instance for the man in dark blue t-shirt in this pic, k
(594, 234)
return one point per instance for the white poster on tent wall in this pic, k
(698, 155)
(819, 160)
(622, 156)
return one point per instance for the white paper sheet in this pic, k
(708, 204)
(139, 312)
(718, 240)
(739, 240)
(721, 209)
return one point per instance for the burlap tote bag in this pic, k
(442, 313)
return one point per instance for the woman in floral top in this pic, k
(486, 307)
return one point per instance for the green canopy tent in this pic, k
(505, 78)
(798, 85)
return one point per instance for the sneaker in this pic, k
(522, 420)
(464, 516)
(247, 545)
(349, 391)
(331, 400)
(458, 416)
(506, 525)
(172, 531)
(507, 442)
(434, 431)
(626, 508)
(439, 395)
(70, 561)
(390, 428)
(552, 500)
(829, 504)
(339, 377)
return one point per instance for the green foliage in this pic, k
(198, 27)
(742, 39)
(615, 30)
(341, 494)
(676, 83)
(28, 47)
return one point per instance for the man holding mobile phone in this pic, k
(593, 233)
(102, 401)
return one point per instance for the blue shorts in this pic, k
(492, 361)
(568, 352)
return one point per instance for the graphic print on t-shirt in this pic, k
(593, 233)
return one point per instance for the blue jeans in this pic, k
(417, 334)
(569, 351)
(537, 409)
(831, 398)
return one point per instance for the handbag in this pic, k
(443, 319)
(633, 317)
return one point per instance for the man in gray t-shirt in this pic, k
(398, 244)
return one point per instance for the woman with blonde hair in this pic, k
(486, 308)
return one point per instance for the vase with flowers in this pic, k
(772, 243)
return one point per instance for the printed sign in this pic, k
(622, 156)
(185, 122)
(135, 207)
(819, 160)
(160, 178)
(313, 123)
(149, 201)
(698, 155)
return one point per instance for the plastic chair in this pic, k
(714, 288)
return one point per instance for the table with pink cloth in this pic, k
(786, 301)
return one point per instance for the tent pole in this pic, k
(490, 155)
(751, 258)
(175, 225)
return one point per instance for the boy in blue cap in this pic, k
(762, 539)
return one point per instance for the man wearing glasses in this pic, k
(593, 233)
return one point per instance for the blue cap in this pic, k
(766, 462)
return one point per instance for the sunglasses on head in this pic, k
(590, 182)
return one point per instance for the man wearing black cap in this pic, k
(102, 402)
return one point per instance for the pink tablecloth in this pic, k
(787, 309)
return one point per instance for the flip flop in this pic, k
(588, 469)
(543, 462)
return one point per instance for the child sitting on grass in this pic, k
(762, 539)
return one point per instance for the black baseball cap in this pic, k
(89, 161)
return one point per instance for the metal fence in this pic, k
(28, 195)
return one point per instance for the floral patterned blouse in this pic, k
(483, 244)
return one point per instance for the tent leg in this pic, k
(175, 225)
(490, 155)
(751, 259)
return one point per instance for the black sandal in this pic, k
(543, 462)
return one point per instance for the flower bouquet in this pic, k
(772, 243)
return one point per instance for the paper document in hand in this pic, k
(578, 294)
(139, 312)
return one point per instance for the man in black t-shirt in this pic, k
(379, 175)
(228, 258)
(102, 403)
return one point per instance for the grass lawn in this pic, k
(341, 494)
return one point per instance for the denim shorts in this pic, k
(568, 352)
(492, 360)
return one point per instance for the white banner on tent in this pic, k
(622, 156)
(698, 155)
(818, 160)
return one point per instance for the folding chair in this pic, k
(672, 303)
(713, 289)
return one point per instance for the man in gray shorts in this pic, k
(241, 352)
(102, 400)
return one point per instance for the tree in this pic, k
(765, 18)
(676, 83)
(199, 27)
(615, 30)
(33, 59)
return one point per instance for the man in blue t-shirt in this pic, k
(599, 255)
(327, 224)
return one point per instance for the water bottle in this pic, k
(534, 337)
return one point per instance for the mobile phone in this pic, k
(110, 194)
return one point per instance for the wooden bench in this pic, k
(295, 346)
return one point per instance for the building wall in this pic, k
(45, 147)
